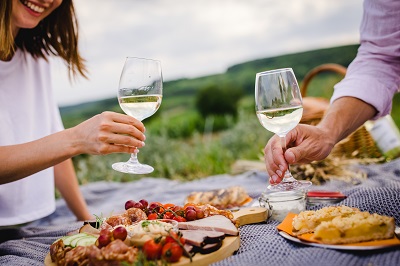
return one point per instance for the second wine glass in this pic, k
(139, 95)
(279, 109)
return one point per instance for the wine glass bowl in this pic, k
(139, 95)
(279, 109)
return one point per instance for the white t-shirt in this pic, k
(28, 112)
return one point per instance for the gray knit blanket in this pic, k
(260, 243)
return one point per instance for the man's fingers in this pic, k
(290, 156)
(274, 160)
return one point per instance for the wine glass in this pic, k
(279, 109)
(139, 95)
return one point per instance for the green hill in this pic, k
(180, 93)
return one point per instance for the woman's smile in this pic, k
(32, 6)
(27, 14)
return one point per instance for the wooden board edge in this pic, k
(251, 215)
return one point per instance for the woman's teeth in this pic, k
(34, 7)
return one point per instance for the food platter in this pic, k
(230, 244)
(284, 229)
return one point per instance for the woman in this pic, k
(35, 151)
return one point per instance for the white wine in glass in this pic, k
(279, 109)
(139, 95)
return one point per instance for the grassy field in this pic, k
(182, 145)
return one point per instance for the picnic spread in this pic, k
(260, 243)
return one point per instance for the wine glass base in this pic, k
(133, 168)
(293, 185)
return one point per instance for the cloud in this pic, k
(198, 37)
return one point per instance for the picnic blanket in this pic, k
(260, 243)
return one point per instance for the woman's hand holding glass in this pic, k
(108, 132)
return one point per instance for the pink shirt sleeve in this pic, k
(374, 75)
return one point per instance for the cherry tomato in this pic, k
(152, 216)
(169, 206)
(179, 219)
(173, 237)
(172, 252)
(177, 208)
(152, 249)
(168, 215)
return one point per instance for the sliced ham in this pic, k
(209, 248)
(201, 238)
(217, 223)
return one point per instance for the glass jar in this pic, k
(280, 203)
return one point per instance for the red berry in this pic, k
(129, 204)
(191, 215)
(120, 233)
(190, 208)
(154, 206)
(199, 214)
(144, 202)
(103, 240)
(138, 205)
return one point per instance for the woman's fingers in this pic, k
(109, 132)
(125, 119)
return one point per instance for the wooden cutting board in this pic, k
(248, 215)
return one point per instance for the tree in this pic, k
(215, 100)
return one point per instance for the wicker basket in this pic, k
(359, 144)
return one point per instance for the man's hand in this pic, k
(305, 144)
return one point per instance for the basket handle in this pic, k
(321, 68)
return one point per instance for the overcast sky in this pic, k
(194, 38)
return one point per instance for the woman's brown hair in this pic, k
(56, 34)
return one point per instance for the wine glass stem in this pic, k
(288, 176)
(134, 159)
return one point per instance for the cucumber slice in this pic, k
(71, 240)
(86, 241)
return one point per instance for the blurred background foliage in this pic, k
(205, 124)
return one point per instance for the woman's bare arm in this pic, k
(105, 133)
